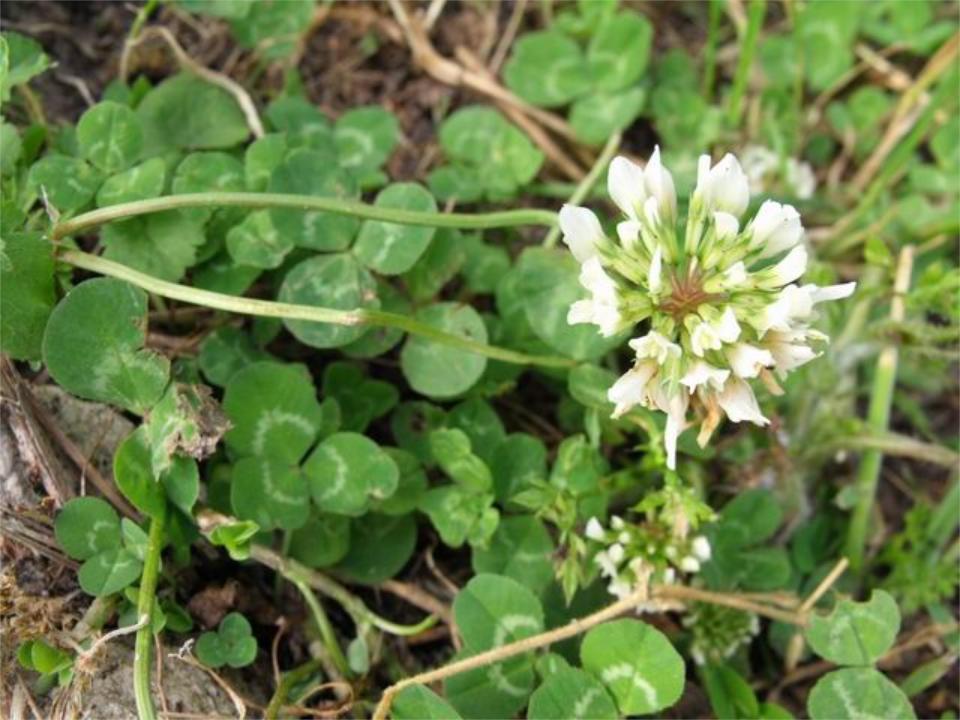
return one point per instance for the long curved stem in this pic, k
(253, 201)
(267, 308)
(143, 649)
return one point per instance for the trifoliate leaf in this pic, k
(162, 244)
(109, 572)
(304, 125)
(441, 371)
(492, 610)
(379, 340)
(26, 293)
(570, 692)
(636, 663)
(273, 28)
(69, 183)
(140, 182)
(482, 425)
(93, 346)
(347, 470)
(329, 281)
(420, 703)
(21, 59)
(379, 547)
(87, 526)
(256, 242)
(411, 485)
(361, 399)
(308, 172)
(109, 136)
(460, 515)
(485, 265)
(323, 541)
(274, 411)
(518, 461)
(187, 113)
(855, 633)
(437, 266)
(411, 425)
(391, 249)
(856, 693)
(262, 157)
(547, 68)
(225, 351)
(521, 549)
(596, 117)
(232, 644)
(451, 449)
(218, 8)
(271, 492)
(619, 50)
(365, 137)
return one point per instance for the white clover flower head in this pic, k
(715, 299)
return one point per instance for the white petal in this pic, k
(728, 329)
(701, 548)
(703, 338)
(739, 402)
(723, 187)
(775, 229)
(656, 346)
(690, 564)
(581, 231)
(631, 388)
(626, 187)
(616, 553)
(702, 373)
(747, 360)
(594, 530)
(629, 232)
(790, 268)
(654, 280)
(659, 184)
(833, 292)
(726, 226)
(676, 419)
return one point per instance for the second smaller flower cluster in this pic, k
(635, 554)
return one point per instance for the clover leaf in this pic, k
(441, 371)
(109, 136)
(235, 537)
(365, 137)
(270, 492)
(500, 156)
(41, 657)
(323, 541)
(565, 688)
(636, 663)
(98, 354)
(68, 183)
(140, 182)
(853, 693)
(452, 450)
(231, 644)
(26, 293)
(855, 633)
(361, 399)
(547, 68)
(22, 59)
(379, 547)
(257, 243)
(492, 611)
(306, 171)
(421, 703)
(333, 281)
(162, 244)
(391, 249)
(521, 548)
(274, 411)
(619, 50)
(225, 351)
(145, 488)
(347, 470)
(88, 529)
(186, 112)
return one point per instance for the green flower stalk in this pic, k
(721, 298)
